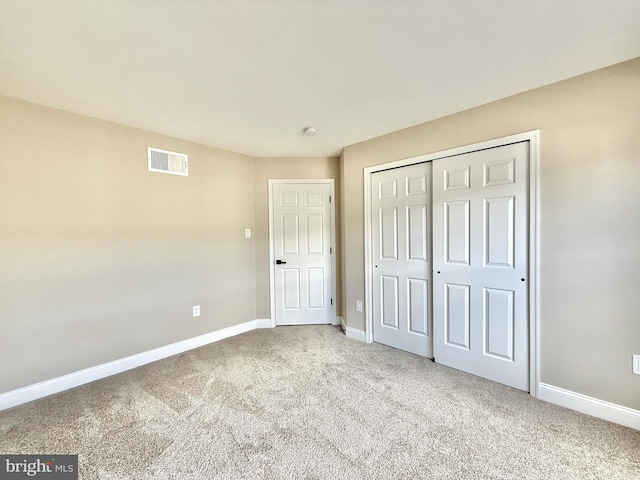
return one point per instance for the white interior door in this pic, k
(401, 233)
(302, 253)
(480, 262)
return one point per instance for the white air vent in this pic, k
(164, 161)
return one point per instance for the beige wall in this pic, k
(99, 258)
(286, 168)
(589, 219)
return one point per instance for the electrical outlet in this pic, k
(196, 311)
(358, 305)
(636, 364)
(247, 233)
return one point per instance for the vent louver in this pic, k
(164, 161)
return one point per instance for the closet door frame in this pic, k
(533, 138)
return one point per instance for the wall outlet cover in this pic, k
(196, 311)
(636, 364)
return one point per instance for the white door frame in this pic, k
(272, 258)
(533, 137)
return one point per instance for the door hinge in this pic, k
(330, 250)
(332, 301)
(329, 198)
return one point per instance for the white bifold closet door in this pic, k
(480, 263)
(401, 211)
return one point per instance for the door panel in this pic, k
(417, 216)
(456, 230)
(457, 320)
(389, 299)
(389, 233)
(301, 242)
(418, 298)
(315, 281)
(290, 234)
(456, 178)
(499, 231)
(480, 260)
(315, 238)
(401, 218)
(498, 323)
(291, 282)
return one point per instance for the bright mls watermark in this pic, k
(50, 467)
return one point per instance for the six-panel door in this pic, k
(302, 250)
(401, 206)
(480, 261)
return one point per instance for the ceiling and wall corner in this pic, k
(249, 75)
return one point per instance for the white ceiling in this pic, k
(249, 75)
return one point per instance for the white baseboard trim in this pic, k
(264, 323)
(591, 406)
(355, 334)
(75, 379)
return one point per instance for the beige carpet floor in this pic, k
(307, 402)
